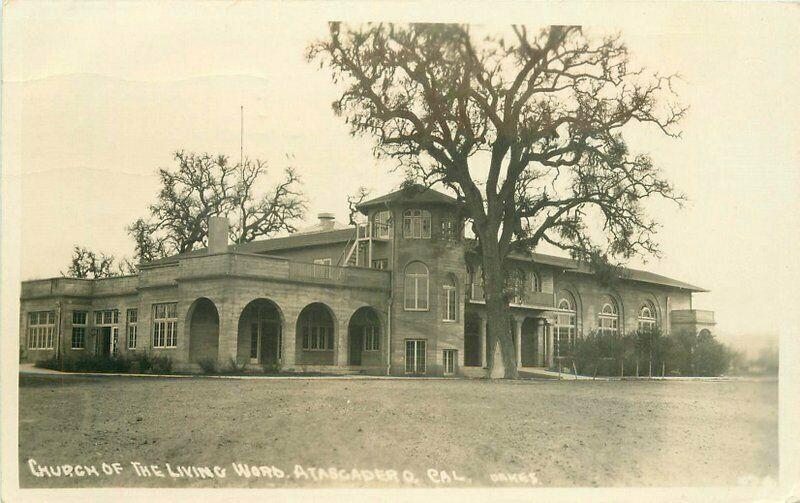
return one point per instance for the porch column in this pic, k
(288, 347)
(518, 341)
(482, 338)
(228, 332)
(540, 334)
(340, 352)
(550, 355)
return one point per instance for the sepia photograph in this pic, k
(367, 251)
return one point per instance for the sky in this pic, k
(97, 96)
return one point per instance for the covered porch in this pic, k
(533, 339)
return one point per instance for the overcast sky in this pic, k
(97, 96)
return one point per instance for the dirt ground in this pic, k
(380, 433)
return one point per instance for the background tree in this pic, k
(86, 263)
(353, 200)
(526, 128)
(203, 186)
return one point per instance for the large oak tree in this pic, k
(525, 127)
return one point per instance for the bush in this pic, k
(87, 363)
(141, 362)
(209, 365)
(678, 354)
(161, 364)
(51, 363)
(233, 367)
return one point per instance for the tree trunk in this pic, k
(497, 316)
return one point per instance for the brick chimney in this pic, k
(326, 221)
(218, 235)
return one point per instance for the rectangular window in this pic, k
(322, 268)
(415, 356)
(132, 335)
(417, 224)
(41, 325)
(371, 338)
(317, 338)
(382, 224)
(449, 361)
(106, 317)
(79, 319)
(254, 342)
(450, 303)
(450, 230)
(165, 325)
(382, 264)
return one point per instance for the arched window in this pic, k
(450, 292)
(647, 317)
(416, 287)
(417, 224)
(536, 284)
(566, 321)
(608, 318)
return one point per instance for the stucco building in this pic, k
(399, 294)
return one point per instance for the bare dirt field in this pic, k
(379, 433)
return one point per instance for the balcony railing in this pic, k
(281, 268)
(692, 316)
(78, 287)
(533, 299)
(208, 266)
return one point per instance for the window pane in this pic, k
(410, 356)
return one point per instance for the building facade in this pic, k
(399, 294)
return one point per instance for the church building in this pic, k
(399, 294)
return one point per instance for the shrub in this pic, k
(51, 363)
(209, 365)
(162, 364)
(87, 363)
(142, 361)
(233, 367)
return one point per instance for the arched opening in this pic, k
(530, 342)
(315, 335)
(364, 337)
(259, 335)
(203, 322)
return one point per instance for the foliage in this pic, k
(202, 186)
(142, 361)
(86, 363)
(542, 114)
(86, 263)
(233, 367)
(208, 365)
(162, 364)
(353, 200)
(679, 354)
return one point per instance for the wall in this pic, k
(442, 257)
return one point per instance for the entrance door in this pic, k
(104, 341)
(269, 342)
(114, 341)
(255, 343)
(356, 344)
(415, 356)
